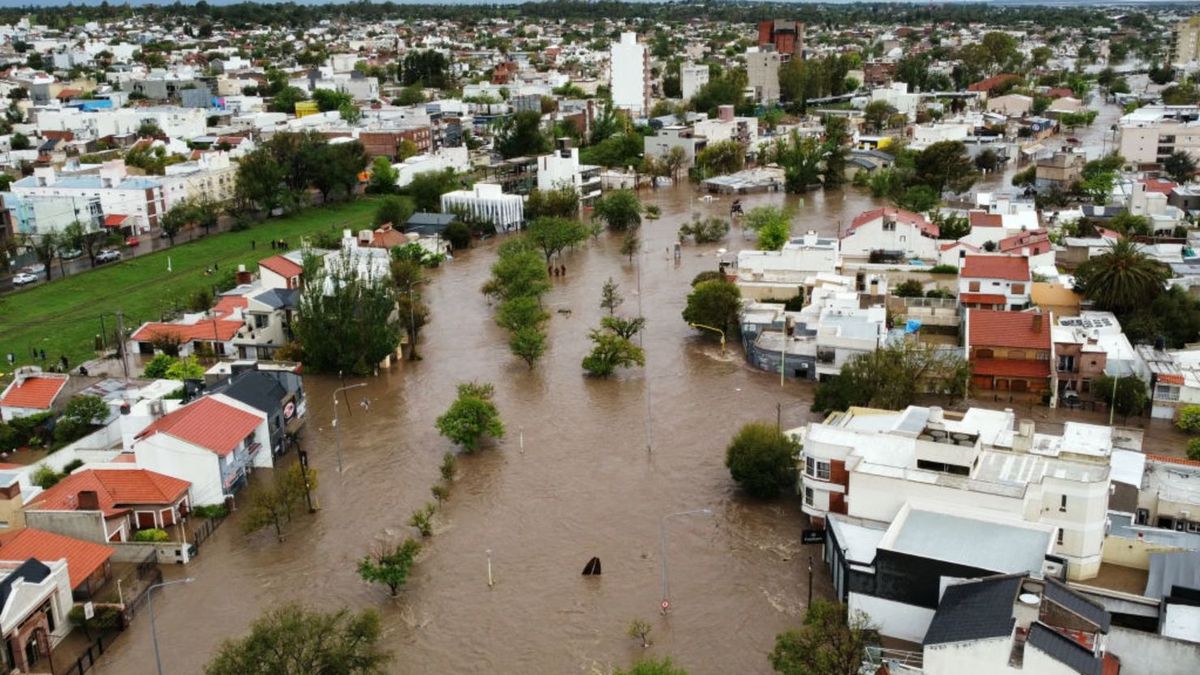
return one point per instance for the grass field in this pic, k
(63, 316)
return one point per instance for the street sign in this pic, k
(812, 537)
(89, 611)
(666, 604)
(289, 409)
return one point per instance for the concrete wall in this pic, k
(86, 525)
(1151, 654)
(979, 657)
(167, 552)
(1133, 553)
(894, 619)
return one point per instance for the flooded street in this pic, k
(573, 479)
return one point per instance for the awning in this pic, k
(1033, 149)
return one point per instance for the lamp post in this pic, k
(337, 432)
(810, 581)
(150, 605)
(303, 455)
(662, 534)
(718, 331)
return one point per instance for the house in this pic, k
(783, 274)
(561, 168)
(88, 563)
(1055, 298)
(1032, 244)
(1017, 623)
(994, 282)
(1009, 351)
(1080, 358)
(890, 230)
(994, 84)
(35, 598)
(1060, 171)
(895, 572)
(1066, 105)
(213, 331)
(213, 443)
(31, 392)
(278, 392)
(281, 271)
(109, 504)
(488, 203)
(1011, 105)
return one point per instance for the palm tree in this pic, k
(1122, 278)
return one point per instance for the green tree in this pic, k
(407, 277)
(286, 99)
(1188, 419)
(639, 630)
(395, 210)
(520, 312)
(946, 165)
(345, 322)
(528, 343)
(383, 177)
(653, 667)
(521, 135)
(762, 460)
(45, 248)
(552, 235)
(292, 640)
(87, 410)
(1193, 449)
(156, 369)
(714, 303)
(772, 224)
(273, 504)
(471, 416)
(610, 296)
(620, 210)
(185, 369)
(259, 181)
(1122, 278)
(1098, 187)
(611, 351)
(951, 226)
(892, 377)
(720, 158)
(877, 113)
(1129, 225)
(426, 188)
(827, 643)
(389, 564)
(1131, 394)
(519, 271)
(90, 240)
(918, 198)
(427, 68)
(19, 141)
(560, 202)
(173, 221)
(1180, 166)
(623, 327)
(328, 100)
(910, 288)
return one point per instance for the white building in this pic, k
(113, 192)
(213, 443)
(488, 202)
(212, 177)
(561, 168)
(1151, 133)
(989, 281)
(869, 463)
(890, 229)
(692, 76)
(785, 273)
(441, 159)
(630, 76)
(762, 72)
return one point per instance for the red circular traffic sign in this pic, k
(666, 604)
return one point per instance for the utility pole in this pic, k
(121, 344)
(337, 432)
(642, 345)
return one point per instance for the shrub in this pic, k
(151, 535)
(448, 463)
(1189, 418)
(157, 368)
(910, 288)
(210, 511)
(68, 429)
(45, 477)
(422, 519)
(708, 275)
(70, 466)
(1193, 449)
(762, 460)
(459, 235)
(944, 269)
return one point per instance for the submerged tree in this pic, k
(471, 416)
(389, 564)
(827, 643)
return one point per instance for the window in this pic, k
(1062, 503)
(816, 468)
(261, 320)
(889, 225)
(1018, 289)
(1166, 392)
(1060, 536)
(1066, 364)
(808, 496)
(973, 286)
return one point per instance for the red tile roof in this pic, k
(36, 392)
(114, 220)
(1030, 243)
(208, 423)
(116, 490)
(203, 330)
(996, 328)
(993, 82)
(1158, 185)
(83, 557)
(1172, 460)
(281, 266)
(984, 219)
(951, 244)
(901, 215)
(228, 303)
(1009, 267)
(982, 299)
(1010, 368)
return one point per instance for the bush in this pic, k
(210, 511)
(1189, 419)
(944, 269)
(153, 534)
(394, 210)
(459, 235)
(762, 460)
(106, 617)
(45, 477)
(68, 429)
(910, 288)
(70, 466)
(709, 275)
(157, 368)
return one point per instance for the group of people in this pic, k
(556, 270)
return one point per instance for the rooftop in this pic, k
(1009, 546)
(116, 490)
(208, 423)
(83, 557)
(1023, 330)
(1008, 267)
(36, 392)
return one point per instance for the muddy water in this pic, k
(572, 480)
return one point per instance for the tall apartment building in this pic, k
(630, 76)
(1150, 134)
(1186, 47)
(692, 76)
(787, 36)
(762, 73)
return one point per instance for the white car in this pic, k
(108, 255)
(24, 278)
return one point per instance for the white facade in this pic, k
(692, 76)
(439, 160)
(562, 169)
(212, 177)
(26, 597)
(139, 198)
(487, 201)
(183, 123)
(887, 232)
(630, 76)
(1148, 135)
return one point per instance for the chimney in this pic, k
(725, 113)
(44, 175)
(1023, 439)
(243, 277)
(88, 501)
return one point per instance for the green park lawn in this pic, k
(63, 316)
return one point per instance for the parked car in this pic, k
(108, 255)
(133, 241)
(70, 254)
(24, 278)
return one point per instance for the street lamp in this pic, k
(662, 534)
(337, 433)
(150, 604)
(718, 331)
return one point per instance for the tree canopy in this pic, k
(293, 640)
(827, 643)
(762, 460)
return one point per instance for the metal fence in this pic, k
(89, 657)
(205, 530)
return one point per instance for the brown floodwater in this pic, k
(573, 479)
